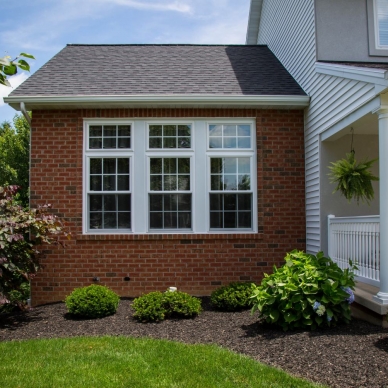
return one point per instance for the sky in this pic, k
(44, 27)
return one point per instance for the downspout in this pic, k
(25, 114)
(28, 119)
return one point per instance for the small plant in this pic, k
(307, 292)
(233, 297)
(354, 180)
(93, 301)
(156, 306)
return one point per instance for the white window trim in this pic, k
(373, 31)
(199, 154)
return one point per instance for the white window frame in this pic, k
(233, 153)
(113, 153)
(375, 49)
(199, 155)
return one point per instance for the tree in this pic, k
(14, 156)
(22, 231)
(9, 67)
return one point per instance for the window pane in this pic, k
(215, 130)
(215, 142)
(95, 221)
(123, 166)
(156, 183)
(244, 182)
(184, 202)
(155, 142)
(156, 220)
(184, 220)
(230, 220)
(95, 143)
(216, 202)
(244, 142)
(170, 202)
(244, 130)
(123, 182)
(230, 202)
(156, 165)
(184, 142)
(124, 130)
(155, 130)
(124, 142)
(170, 183)
(169, 142)
(244, 165)
(216, 182)
(109, 183)
(109, 142)
(169, 130)
(184, 165)
(170, 165)
(124, 220)
(95, 130)
(184, 182)
(170, 220)
(110, 131)
(95, 183)
(216, 220)
(244, 201)
(230, 165)
(230, 130)
(216, 165)
(229, 142)
(124, 202)
(244, 220)
(96, 166)
(184, 130)
(109, 166)
(95, 203)
(109, 203)
(156, 202)
(110, 220)
(230, 182)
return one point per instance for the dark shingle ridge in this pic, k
(153, 69)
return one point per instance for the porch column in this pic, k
(382, 295)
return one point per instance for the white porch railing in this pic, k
(357, 239)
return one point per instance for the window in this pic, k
(170, 176)
(378, 27)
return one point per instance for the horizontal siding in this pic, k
(288, 30)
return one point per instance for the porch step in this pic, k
(366, 308)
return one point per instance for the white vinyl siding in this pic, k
(288, 28)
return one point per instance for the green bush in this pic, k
(307, 292)
(93, 301)
(156, 306)
(233, 297)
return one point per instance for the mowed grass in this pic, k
(128, 362)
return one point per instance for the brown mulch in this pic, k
(354, 355)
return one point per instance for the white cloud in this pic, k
(177, 6)
(15, 81)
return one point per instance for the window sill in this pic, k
(188, 238)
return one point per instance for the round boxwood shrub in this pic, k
(93, 301)
(156, 306)
(307, 292)
(233, 297)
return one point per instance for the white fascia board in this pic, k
(369, 75)
(160, 100)
(253, 22)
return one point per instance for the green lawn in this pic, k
(128, 362)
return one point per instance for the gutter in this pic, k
(81, 101)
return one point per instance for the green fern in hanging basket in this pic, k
(354, 180)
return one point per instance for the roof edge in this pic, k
(369, 75)
(36, 102)
(254, 22)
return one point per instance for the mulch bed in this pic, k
(354, 355)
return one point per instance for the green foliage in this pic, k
(21, 231)
(307, 292)
(156, 306)
(93, 301)
(354, 180)
(9, 67)
(14, 156)
(233, 297)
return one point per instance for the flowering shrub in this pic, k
(308, 291)
(21, 231)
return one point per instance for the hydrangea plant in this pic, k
(308, 291)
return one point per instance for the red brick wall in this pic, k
(194, 263)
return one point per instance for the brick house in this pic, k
(172, 165)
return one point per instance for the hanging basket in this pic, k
(354, 180)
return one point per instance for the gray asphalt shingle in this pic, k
(91, 70)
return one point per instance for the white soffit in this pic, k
(253, 22)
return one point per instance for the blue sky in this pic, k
(44, 27)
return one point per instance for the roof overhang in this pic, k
(254, 21)
(156, 101)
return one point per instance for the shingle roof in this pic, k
(116, 70)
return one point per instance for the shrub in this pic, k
(156, 306)
(307, 292)
(93, 301)
(233, 297)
